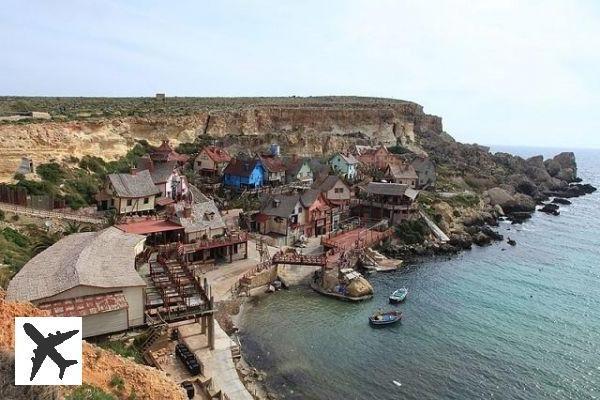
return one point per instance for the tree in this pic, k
(75, 227)
(44, 241)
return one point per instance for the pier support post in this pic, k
(203, 324)
(211, 332)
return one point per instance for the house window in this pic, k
(339, 190)
(146, 200)
(129, 202)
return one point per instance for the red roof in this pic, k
(86, 305)
(217, 154)
(273, 164)
(149, 226)
(165, 152)
(163, 201)
(261, 217)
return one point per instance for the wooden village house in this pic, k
(211, 161)
(244, 174)
(336, 191)
(128, 193)
(344, 165)
(381, 200)
(299, 170)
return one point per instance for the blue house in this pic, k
(241, 174)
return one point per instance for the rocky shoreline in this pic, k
(536, 185)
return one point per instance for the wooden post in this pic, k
(203, 324)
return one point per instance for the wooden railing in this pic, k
(231, 239)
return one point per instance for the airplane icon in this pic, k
(46, 347)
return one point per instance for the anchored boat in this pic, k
(399, 295)
(385, 318)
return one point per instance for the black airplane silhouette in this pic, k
(46, 347)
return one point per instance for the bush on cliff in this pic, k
(412, 232)
(51, 172)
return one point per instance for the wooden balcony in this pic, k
(227, 240)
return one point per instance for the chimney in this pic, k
(187, 211)
(276, 202)
(134, 171)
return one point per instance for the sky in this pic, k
(497, 72)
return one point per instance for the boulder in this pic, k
(498, 210)
(498, 196)
(568, 166)
(560, 200)
(359, 287)
(538, 174)
(519, 217)
(481, 239)
(550, 208)
(442, 208)
(524, 184)
(462, 240)
(492, 234)
(535, 161)
(552, 166)
(519, 203)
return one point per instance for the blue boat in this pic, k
(385, 318)
(399, 295)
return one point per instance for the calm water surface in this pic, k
(499, 322)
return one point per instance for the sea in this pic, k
(497, 322)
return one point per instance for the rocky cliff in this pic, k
(300, 125)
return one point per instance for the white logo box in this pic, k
(70, 350)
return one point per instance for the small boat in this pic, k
(399, 295)
(385, 318)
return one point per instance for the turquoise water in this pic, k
(498, 322)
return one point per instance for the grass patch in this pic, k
(88, 392)
(466, 200)
(126, 350)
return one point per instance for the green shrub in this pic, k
(88, 392)
(466, 200)
(124, 350)
(15, 237)
(93, 164)
(117, 382)
(51, 172)
(412, 232)
(398, 149)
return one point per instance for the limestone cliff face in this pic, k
(308, 129)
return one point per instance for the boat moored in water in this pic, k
(380, 318)
(399, 295)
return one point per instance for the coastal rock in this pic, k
(519, 203)
(524, 185)
(444, 210)
(492, 234)
(550, 208)
(498, 196)
(498, 210)
(560, 200)
(519, 217)
(481, 239)
(461, 240)
(552, 166)
(359, 287)
(568, 165)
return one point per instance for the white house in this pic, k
(90, 275)
(344, 165)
